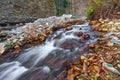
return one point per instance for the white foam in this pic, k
(35, 54)
(11, 70)
(46, 69)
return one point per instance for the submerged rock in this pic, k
(80, 34)
(86, 36)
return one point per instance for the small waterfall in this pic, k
(35, 54)
(11, 71)
(49, 56)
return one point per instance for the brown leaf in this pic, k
(76, 69)
(84, 67)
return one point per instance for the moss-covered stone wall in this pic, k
(26, 10)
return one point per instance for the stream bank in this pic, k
(62, 48)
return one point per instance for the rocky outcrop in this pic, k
(15, 11)
(24, 10)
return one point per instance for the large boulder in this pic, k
(16, 11)
(25, 10)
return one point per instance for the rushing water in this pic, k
(44, 62)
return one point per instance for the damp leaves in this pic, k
(103, 61)
(92, 66)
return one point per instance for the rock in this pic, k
(2, 48)
(70, 44)
(86, 36)
(80, 34)
(99, 39)
(79, 22)
(28, 10)
(2, 35)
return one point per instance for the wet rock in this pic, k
(2, 48)
(93, 46)
(58, 36)
(80, 34)
(70, 44)
(99, 39)
(49, 32)
(79, 22)
(86, 36)
(2, 35)
(36, 74)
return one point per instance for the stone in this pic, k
(2, 48)
(80, 33)
(86, 36)
(29, 10)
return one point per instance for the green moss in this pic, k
(89, 11)
(94, 78)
